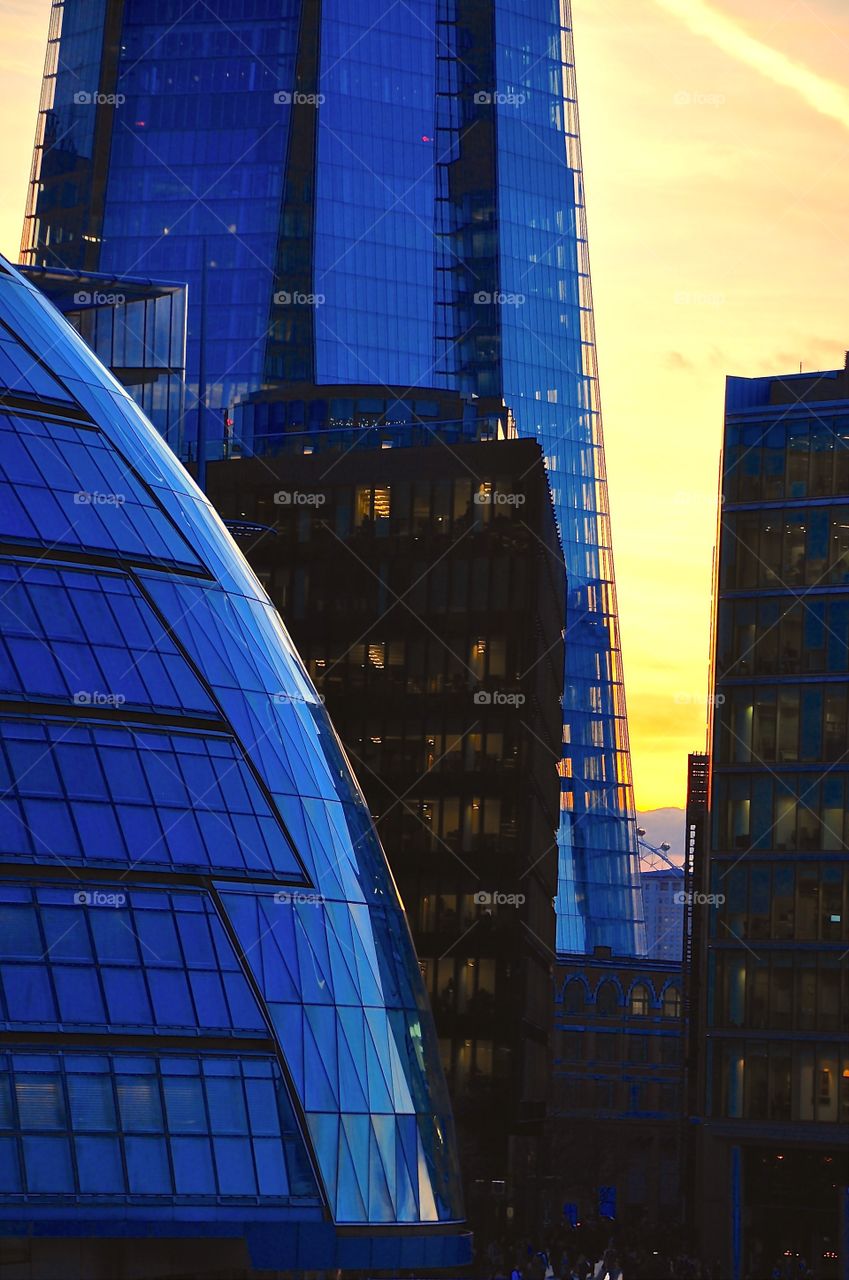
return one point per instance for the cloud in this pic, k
(814, 354)
(712, 357)
(675, 360)
(823, 95)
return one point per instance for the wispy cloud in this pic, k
(825, 96)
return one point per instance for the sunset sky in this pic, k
(716, 153)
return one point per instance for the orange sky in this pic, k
(716, 151)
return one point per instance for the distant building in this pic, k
(664, 907)
(616, 1120)
(423, 585)
(774, 1008)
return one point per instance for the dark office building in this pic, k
(775, 1015)
(369, 202)
(423, 586)
(617, 1092)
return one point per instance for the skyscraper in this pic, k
(216, 1035)
(374, 208)
(770, 915)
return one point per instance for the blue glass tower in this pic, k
(375, 207)
(214, 1022)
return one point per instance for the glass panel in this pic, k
(64, 484)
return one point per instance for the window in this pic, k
(574, 996)
(371, 506)
(607, 999)
(672, 1003)
(639, 1003)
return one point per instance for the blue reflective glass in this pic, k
(91, 640)
(234, 166)
(377, 184)
(10, 1173)
(328, 971)
(91, 1102)
(145, 976)
(99, 1165)
(193, 1172)
(155, 813)
(255, 791)
(47, 1162)
(94, 1149)
(63, 484)
(147, 1166)
(23, 373)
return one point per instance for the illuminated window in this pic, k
(640, 1001)
(672, 1003)
(370, 505)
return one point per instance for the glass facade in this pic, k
(775, 1013)
(387, 203)
(196, 909)
(780, 812)
(550, 380)
(137, 328)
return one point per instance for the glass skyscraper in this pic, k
(375, 207)
(214, 1022)
(773, 1013)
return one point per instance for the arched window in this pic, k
(574, 996)
(640, 1000)
(672, 1003)
(607, 999)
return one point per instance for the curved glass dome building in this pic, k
(213, 1022)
